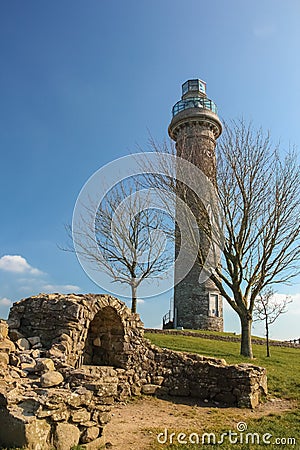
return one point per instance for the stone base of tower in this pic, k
(197, 306)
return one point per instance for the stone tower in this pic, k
(195, 127)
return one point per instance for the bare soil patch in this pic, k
(135, 425)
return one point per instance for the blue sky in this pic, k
(81, 83)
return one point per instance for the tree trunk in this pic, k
(246, 344)
(267, 338)
(133, 298)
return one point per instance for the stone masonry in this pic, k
(195, 127)
(66, 359)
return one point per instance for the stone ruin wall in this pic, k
(69, 358)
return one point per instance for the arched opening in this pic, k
(105, 340)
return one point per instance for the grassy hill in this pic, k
(283, 369)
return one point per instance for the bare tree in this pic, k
(259, 198)
(268, 309)
(124, 239)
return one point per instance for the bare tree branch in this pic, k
(123, 238)
(268, 309)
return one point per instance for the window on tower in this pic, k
(185, 87)
(214, 305)
(194, 102)
(193, 85)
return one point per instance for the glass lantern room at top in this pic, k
(192, 87)
(194, 96)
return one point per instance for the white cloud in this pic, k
(62, 288)
(293, 307)
(17, 264)
(286, 326)
(35, 285)
(140, 301)
(4, 301)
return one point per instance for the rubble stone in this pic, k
(90, 434)
(3, 329)
(33, 340)
(150, 389)
(66, 436)
(81, 415)
(14, 334)
(44, 365)
(7, 346)
(92, 354)
(4, 359)
(51, 378)
(23, 344)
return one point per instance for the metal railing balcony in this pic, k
(194, 102)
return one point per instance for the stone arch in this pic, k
(104, 343)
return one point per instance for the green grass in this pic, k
(211, 333)
(217, 333)
(283, 370)
(282, 432)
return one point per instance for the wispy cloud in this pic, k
(62, 288)
(35, 285)
(294, 306)
(4, 301)
(18, 265)
(27, 280)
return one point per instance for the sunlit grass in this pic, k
(283, 369)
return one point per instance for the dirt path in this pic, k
(134, 426)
